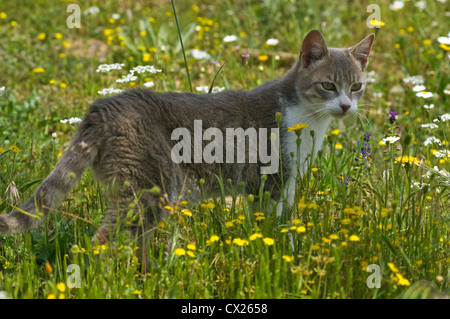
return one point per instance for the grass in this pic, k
(358, 205)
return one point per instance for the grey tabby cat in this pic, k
(126, 139)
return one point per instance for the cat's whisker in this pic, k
(363, 118)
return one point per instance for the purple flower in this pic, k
(345, 179)
(245, 57)
(363, 150)
(392, 117)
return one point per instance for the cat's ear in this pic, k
(361, 51)
(313, 48)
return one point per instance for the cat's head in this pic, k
(332, 80)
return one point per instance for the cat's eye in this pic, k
(356, 86)
(328, 86)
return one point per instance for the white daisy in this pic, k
(109, 67)
(415, 80)
(272, 42)
(230, 38)
(429, 125)
(431, 140)
(72, 120)
(145, 68)
(418, 88)
(199, 54)
(424, 94)
(396, 5)
(109, 91)
(389, 140)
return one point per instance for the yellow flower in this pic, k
(392, 267)
(255, 236)
(334, 236)
(66, 44)
(1, 150)
(137, 292)
(180, 252)
(41, 36)
(186, 212)
(108, 32)
(263, 58)
(338, 146)
(229, 224)
(146, 57)
(208, 205)
(313, 206)
(298, 127)
(3, 15)
(190, 254)
(61, 287)
(48, 267)
(191, 247)
(183, 202)
(402, 281)
(62, 85)
(301, 229)
(444, 47)
(427, 42)
(240, 242)
(58, 35)
(410, 29)
(377, 23)
(260, 218)
(407, 159)
(354, 238)
(335, 132)
(13, 23)
(14, 148)
(51, 296)
(268, 241)
(288, 258)
(38, 70)
(213, 239)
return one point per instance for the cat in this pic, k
(127, 139)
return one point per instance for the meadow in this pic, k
(372, 215)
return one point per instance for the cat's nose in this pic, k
(344, 107)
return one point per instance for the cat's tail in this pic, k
(52, 190)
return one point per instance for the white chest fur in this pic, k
(308, 149)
